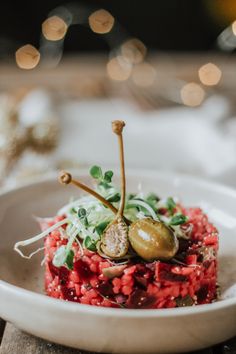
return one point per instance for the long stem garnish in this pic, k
(114, 241)
(66, 178)
(117, 127)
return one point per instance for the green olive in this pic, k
(153, 240)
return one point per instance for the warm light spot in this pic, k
(234, 27)
(143, 75)
(101, 21)
(134, 51)
(54, 28)
(27, 57)
(209, 74)
(223, 11)
(118, 69)
(192, 94)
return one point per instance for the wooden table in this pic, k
(14, 341)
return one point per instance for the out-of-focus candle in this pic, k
(101, 21)
(209, 74)
(27, 57)
(234, 28)
(192, 94)
(118, 69)
(133, 50)
(54, 28)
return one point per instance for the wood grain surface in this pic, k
(14, 341)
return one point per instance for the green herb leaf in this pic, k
(90, 244)
(73, 210)
(101, 227)
(62, 256)
(152, 200)
(104, 181)
(96, 172)
(105, 185)
(82, 213)
(178, 219)
(170, 204)
(114, 198)
(108, 176)
(69, 259)
(153, 197)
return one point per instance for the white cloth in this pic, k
(181, 139)
(198, 141)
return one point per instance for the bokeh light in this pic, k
(54, 28)
(223, 12)
(118, 69)
(192, 94)
(27, 57)
(209, 74)
(101, 21)
(226, 40)
(134, 50)
(234, 28)
(143, 75)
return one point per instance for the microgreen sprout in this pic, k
(73, 210)
(96, 172)
(60, 256)
(101, 227)
(114, 198)
(171, 205)
(108, 176)
(103, 179)
(70, 259)
(82, 214)
(152, 199)
(178, 219)
(90, 244)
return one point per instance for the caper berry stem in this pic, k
(117, 127)
(114, 241)
(66, 178)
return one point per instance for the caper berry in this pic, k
(114, 241)
(153, 240)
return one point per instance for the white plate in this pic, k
(114, 330)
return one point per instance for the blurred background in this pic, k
(67, 69)
(171, 25)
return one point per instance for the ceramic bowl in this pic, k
(114, 330)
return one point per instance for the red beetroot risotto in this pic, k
(189, 279)
(116, 249)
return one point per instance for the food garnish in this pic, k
(114, 241)
(153, 240)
